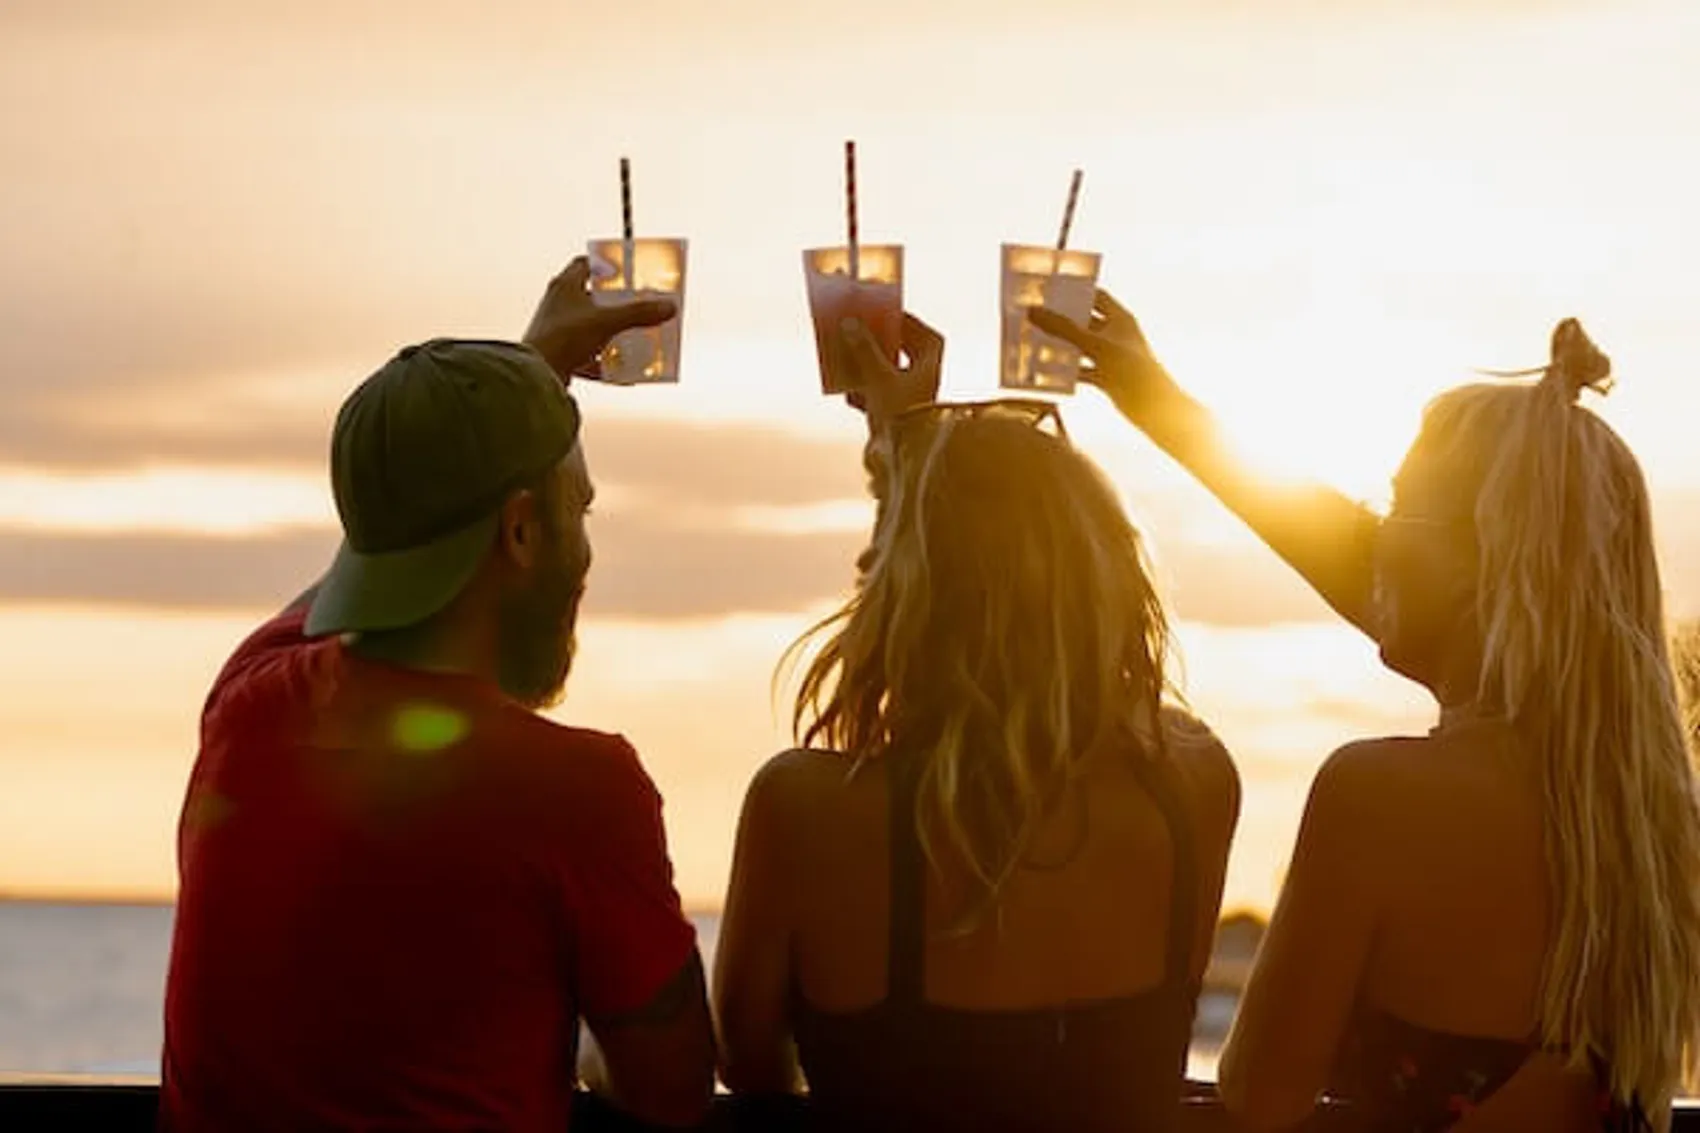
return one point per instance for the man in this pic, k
(401, 888)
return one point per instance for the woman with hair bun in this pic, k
(1495, 925)
(1687, 650)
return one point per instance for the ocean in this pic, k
(81, 985)
(81, 988)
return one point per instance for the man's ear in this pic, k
(518, 535)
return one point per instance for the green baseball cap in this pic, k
(423, 456)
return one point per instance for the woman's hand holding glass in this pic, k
(1117, 358)
(880, 389)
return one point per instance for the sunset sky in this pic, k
(215, 220)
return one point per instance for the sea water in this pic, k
(82, 988)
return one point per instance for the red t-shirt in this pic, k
(399, 892)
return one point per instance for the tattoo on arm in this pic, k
(685, 991)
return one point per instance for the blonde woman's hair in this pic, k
(1575, 653)
(1004, 631)
(1687, 649)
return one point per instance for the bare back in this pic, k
(1085, 920)
(1068, 1005)
(1454, 828)
(1403, 966)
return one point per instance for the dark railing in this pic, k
(99, 1105)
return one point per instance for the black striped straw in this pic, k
(1068, 211)
(850, 209)
(626, 229)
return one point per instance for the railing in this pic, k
(102, 1105)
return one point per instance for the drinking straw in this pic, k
(850, 209)
(626, 268)
(1068, 211)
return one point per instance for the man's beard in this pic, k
(537, 637)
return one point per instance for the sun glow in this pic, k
(1291, 443)
(1333, 395)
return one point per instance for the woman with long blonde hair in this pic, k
(1497, 925)
(981, 894)
(1687, 648)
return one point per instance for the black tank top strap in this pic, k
(906, 953)
(906, 950)
(1157, 776)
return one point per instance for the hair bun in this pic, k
(1577, 364)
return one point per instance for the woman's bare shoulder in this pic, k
(1370, 792)
(807, 805)
(797, 778)
(1384, 767)
(1204, 766)
(1190, 742)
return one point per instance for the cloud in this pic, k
(728, 464)
(59, 438)
(173, 572)
(641, 571)
(647, 567)
(669, 543)
(674, 540)
(660, 554)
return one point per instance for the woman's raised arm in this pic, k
(1325, 536)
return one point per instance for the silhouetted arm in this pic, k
(1325, 536)
(635, 970)
(884, 392)
(656, 1062)
(754, 975)
(1309, 969)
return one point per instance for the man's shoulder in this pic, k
(539, 734)
(581, 762)
(266, 658)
